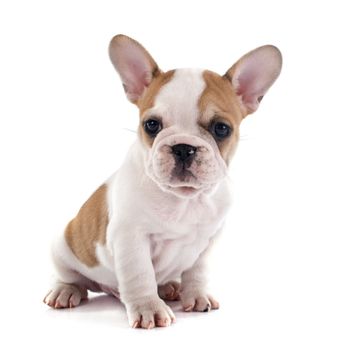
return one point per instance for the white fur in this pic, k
(177, 101)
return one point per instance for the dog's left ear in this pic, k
(134, 64)
(254, 74)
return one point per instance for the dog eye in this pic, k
(152, 127)
(220, 130)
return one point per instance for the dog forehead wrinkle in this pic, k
(179, 98)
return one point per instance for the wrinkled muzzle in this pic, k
(185, 164)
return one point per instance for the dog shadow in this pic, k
(105, 309)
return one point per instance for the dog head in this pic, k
(189, 118)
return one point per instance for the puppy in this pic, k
(145, 234)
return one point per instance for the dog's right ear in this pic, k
(134, 64)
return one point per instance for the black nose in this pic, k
(184, 152)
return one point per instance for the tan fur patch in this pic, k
(147, 101)
(219, 102)
(89, 228)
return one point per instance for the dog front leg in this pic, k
(137, 283)
(193, 294)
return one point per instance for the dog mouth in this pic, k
(184, 190)
(183, 181)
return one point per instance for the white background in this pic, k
(281, 269)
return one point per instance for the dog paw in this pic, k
(64, 295)
(169, 291)
(198, 302)
(149, 313)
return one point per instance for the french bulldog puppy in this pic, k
(145, 234)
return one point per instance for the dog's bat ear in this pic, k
(253, 75)
(134, 64)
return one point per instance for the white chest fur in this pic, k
(180, 240)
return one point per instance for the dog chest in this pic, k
(172, 253)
